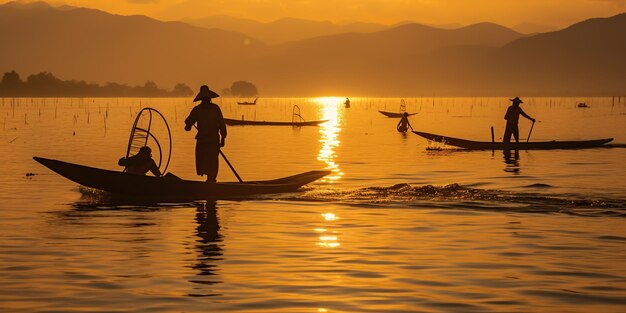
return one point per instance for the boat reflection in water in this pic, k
(511, 159)
(329, 135)
(208, 248)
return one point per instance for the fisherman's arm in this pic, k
(154, 169)
(526, 115)
(191, 119)
(222, 126)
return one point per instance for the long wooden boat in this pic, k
(150, 187)
(235, 122)
(394, 114)
(533, 145)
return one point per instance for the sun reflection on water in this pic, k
(327, 238)
(330, 134)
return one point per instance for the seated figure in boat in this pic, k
(512, 120)
(140, 163)
(404, 124)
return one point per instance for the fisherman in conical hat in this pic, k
(211, 132)
(512, 120)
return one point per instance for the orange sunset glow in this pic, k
(555, 13)
(312, 156)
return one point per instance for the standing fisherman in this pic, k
(512, 119)
(211, 133)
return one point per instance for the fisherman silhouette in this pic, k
(211, 133)
(404, 124)
(140, 163)
(347, 103)
(512, 120)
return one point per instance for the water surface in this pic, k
(400, 226)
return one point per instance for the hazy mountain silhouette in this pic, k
(533, 28)
(410, 59)
(585, 56)
(359, 62)
(88, 44)
(401, 40)
(283, 30)
(584, 59)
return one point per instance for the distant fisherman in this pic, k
(211, 133)
(404, 124)
(512, 119)
(347, 103)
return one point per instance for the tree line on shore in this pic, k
(45, 84)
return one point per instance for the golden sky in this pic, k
(505, 12)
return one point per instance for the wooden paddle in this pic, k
(227, 162)
(531, 130)
(231, 166)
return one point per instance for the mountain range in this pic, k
(293, 29)
(361, 59)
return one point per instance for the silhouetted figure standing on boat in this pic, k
(347, 103)
(512, 120)
(404, 124)
(140, 163)
(211, 133)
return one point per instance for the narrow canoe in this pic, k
(151, 187)
(533, 145)
(234, 122)
(394, 114)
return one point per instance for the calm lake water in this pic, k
(400, 226)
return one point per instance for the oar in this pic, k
(227, 162)
(230, 165)
(530, 132)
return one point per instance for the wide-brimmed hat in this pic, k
(205, 93)
(517, 100)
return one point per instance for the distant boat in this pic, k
(534, 145)
(153, 188)
(248, 103)
(296, 121)
(583, 105)
(235, 122)
(394, 114)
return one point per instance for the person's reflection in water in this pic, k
(208, 245)
(511, 159)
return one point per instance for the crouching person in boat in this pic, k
(211, 133)
(404, 124)
(512, 120)
(140, 163)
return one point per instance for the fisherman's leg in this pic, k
(507, 135)
(202, 162)
(516, 134)
(213, 163)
